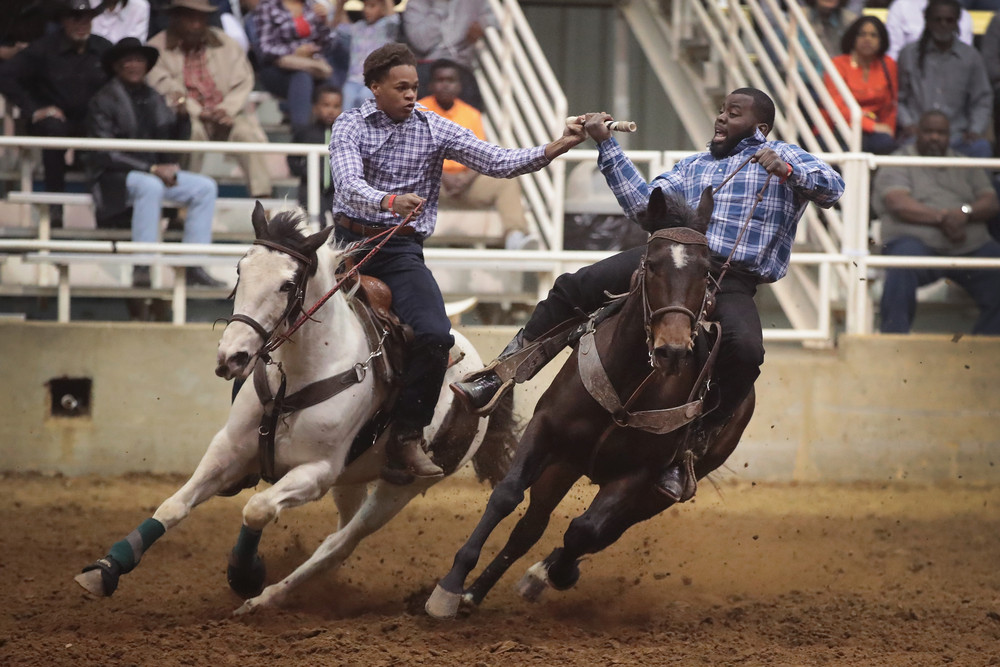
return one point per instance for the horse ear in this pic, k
(656, 211)
(259, 221)
(313, 243)
(705, 207)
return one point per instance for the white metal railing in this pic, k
(841, 274)
(525, 106)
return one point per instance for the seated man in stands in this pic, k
(461, 186)
(52, 80)
(208, 70)
(940, 72)
(127, 108)
(932, 211)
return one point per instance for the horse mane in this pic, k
(288, 226)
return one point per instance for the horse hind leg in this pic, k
(381, 505)
(225, 463)
(551, 487)
(619, 505)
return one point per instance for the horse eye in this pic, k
(287, 287)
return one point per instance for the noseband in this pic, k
(295, 298)
(683, 236)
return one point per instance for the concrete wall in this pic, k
(922, 408)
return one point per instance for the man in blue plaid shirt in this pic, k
(741, 128)
(385, 160)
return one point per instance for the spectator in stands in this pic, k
(905, 23)
(207, 69)
(294, 49)
(873, 79)
(326, 108)
(379, 26)
(990, 50)
(830, 19)
(386, 158)
(121, 19)
(451, 29)
(940, 72)
(127, 108)
(462, 187)
(52, 80)
(24, 22)
(930, 212)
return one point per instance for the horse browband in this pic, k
(308, 261)
(684, 235)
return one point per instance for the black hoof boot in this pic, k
(565, 577)
(246, 579)
(100, 577)
(476, 394)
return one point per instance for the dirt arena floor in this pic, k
(749, 574)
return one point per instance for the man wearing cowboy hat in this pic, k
(208, 70)
(127, 108)
(53, 79)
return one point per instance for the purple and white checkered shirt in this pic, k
(277, 35)
(766, 246)
(372, 156)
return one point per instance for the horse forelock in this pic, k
(676, 213)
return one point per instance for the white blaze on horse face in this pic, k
(679, 254)
(263, 272)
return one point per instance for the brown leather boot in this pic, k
(406, 458)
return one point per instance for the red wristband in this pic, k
(392, 199)
(789, 174)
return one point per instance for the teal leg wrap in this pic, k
(246, 544)
(128, 552)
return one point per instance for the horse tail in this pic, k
(493, 458)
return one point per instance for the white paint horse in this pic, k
(316, 448)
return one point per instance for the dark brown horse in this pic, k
(655, 351)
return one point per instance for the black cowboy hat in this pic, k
(71, 7)
(125, 47)
(203, 6)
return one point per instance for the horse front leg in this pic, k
(551, 487)
(529, 462)
(230, 457)
(382, 504)
(619, 504)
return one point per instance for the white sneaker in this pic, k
(518, 240)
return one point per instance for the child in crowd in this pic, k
(379, 27)
(326, 107)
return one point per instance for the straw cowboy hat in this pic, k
(128, 46)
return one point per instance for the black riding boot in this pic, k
(477, 391)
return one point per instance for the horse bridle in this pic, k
(296, 297)
(684, 236)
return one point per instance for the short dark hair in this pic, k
(323, 89)
(444, 63)
(850, 37)
(933, 112)
(763, 105)
(381, 60)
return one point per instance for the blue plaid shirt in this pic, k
(372, 156)
(766, 245)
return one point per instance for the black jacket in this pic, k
(50, 72)
(112, 115)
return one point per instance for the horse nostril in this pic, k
(239, 360)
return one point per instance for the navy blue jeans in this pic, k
(417, 300)
(899, 295)
(741, 351)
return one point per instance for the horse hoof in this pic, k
(442, 604)
(246, 581)
(533, 583)
(100, 578)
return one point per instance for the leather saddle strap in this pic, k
(599, 386)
